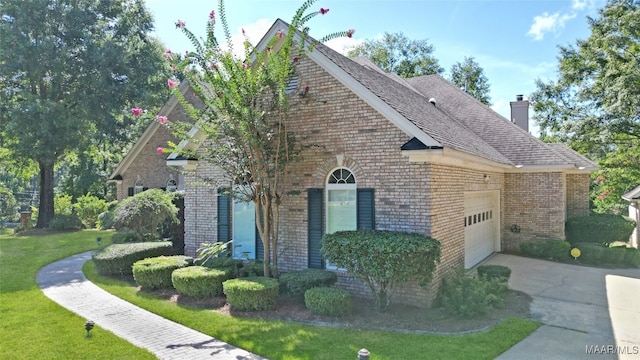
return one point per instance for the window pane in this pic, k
(244, 230)
(341, 210)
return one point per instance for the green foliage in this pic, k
(208, 252)
(105, 219)
(8, 206)
(155, 272)
(596, 254)
(383, 259)
(297, 282)
(599, 228)
(125, 235)
(468, 75)
(63, 204)
(65, 91)
(494, 271)
(594, 105)
(117, 259)
(144, 212)
(468, 297)
(244, 111)
(252, 293)
(548, 249)
(397, 54)
(328, 301)
(88, 208)
(199, 281)
(66, 222)
(253, 268)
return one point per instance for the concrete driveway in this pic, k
(588, 313)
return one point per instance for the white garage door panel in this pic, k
(482, 214)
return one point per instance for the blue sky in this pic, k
(514, 41)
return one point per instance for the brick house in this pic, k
(415, 155)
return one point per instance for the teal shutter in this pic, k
(366, 209)
(224, 216)
(314, 227)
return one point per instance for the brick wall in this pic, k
(535, 203)
(577, 195)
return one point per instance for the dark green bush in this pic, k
(613, 255)
(591, 253)
(549, 249)
(328, 301)
(144, 212)
(66, 222)
(631, 257)
(117, 259)
(155, 273)
(252, 293)
(468, 297)
(298, 282)
(105, 219)
(199, 281)
(599, 228)
(253, 268)
(383, 259)
(125, 235)
(494, 272)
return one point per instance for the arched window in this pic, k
(341, 201)
(172, 184)
(138, 187)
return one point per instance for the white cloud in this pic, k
(546, 22)
(254, 31)
(578, 4)
(343, 44)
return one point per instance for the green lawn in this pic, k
(34, 327)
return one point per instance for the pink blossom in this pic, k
(136, 111)
(167, 53)
(186, 53)
(599, 179)
(295, 59)
(350, 32)
(244, 65)
(212, 17)
(243, 32)
(160, 150)
(280, 34)
(306, 89)
(161, 119)
(171, 83)
(212, 66)
(180, 24)
(323, 11)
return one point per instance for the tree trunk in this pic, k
(45, 208)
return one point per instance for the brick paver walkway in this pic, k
(64, 282)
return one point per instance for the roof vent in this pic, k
(433, 101)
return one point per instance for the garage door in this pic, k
(481, 226)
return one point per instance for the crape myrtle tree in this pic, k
(245, 118)
(594, 105)
(68, 71)
(395, 53)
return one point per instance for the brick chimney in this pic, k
(520, 112)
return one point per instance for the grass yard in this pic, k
(34, 327)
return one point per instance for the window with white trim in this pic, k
(341, 200)
(138, 187)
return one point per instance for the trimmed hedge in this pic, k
(494, 272)
(599, 228)
(252, 293)
(549, 249)
(117, 259)
(596, 254)
(155, 273)
(298, 282)
(328, 301)
(199, 281)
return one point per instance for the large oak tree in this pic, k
(68, 71)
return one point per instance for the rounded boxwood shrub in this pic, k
(155, 273)
(494, 272)
(252, 293)
(328, 301)
(631, 257)
(298, 282)
(599, 228)
(117, 259)
(468, 297)
(591, 253)
(199, 281)
(614, 255)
